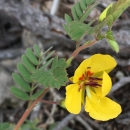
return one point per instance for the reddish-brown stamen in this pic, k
(89, 73)
(95, 78)
(93, 84)
(88, 80)
(82, 77)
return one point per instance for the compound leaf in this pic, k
(77, 30)
(80, 11)
(55, 77)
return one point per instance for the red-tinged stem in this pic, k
(76, 52)
(48, 102)
(29, 109)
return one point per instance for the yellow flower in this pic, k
(91, 79)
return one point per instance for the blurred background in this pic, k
(24, 23)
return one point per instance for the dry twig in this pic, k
(120, 84)
(55, 7)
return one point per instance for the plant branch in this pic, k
(28, 110)
(76, 52)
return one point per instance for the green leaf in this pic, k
(24, 72)
(74, 14)
(60, 75)
(103, 14)
(55, 77)
(21, 82)
(55, 62)
(31, 56)
(19, 93)
(37, 50)
(109, 20)
(37, 94)
(88, 2)
(58, 63)
(27, 63)
(62, 63)
(88, 10)
(4, 126)
(66, 28)
(114, 45)
(77, 30)
(78, 9)
(110, 39)
(68, 19)
(46, 64)
(83, 4)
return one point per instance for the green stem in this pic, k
(29, 109)
(33, 87)
(30, 101)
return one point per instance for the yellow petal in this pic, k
(103, 110)
(106, 86)
(101, 62)
(81, 70)
(97, 64)
(73, 98)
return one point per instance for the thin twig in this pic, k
(55, 7)
(84, 123)
(93, 123)
(120, 84)
(64, 122)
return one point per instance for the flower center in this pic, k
(87, 80)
